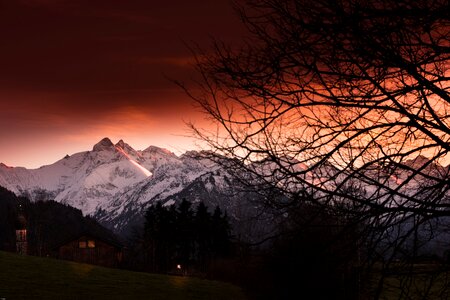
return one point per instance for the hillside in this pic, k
(27, 277)
(49, 224)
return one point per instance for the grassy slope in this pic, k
(26, 277)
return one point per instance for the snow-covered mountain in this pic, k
(84, 180)
(116, 183)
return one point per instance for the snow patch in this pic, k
(169, 203)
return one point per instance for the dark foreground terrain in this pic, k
(27, 277)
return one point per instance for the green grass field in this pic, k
(27, 277)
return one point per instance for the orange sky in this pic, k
(75, 71)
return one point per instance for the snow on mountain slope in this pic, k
(189, 180)
(111, 181)
(170, 176)
(84, 180)
(116, 183)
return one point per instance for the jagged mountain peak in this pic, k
(192, 153)
(121, 144)
(123, 147)
(104, 144)
(155, 149)
(423, 162)
(419, 161)
(2, 165)
(202, 154)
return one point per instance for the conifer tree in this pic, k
(203, 235)
(185, 234)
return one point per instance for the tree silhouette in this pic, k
(346, 101)
(176, 235)
(160, 234)
(203, 235)
(185, 226)
(220, 233)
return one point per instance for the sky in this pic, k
(75, 71)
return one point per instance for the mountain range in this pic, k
(115, 183)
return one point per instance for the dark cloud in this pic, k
(88, 69)
(100, 45)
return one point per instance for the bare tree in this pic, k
(346, 101)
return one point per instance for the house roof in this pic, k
(113, 242)
(97, 232)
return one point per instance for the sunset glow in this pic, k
(74, 72)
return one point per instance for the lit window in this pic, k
(91, 244)
(21, 235)
(82, 244)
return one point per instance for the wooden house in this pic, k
(21, 233)
(92, 248)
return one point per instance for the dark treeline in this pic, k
(311, 254)
(9, 208)
(192, 237)
(184, 236)
(49, 224)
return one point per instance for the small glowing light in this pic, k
(179, 267)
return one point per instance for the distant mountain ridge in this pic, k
(115, 183)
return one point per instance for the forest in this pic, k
(48, 224)
(192, 240)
